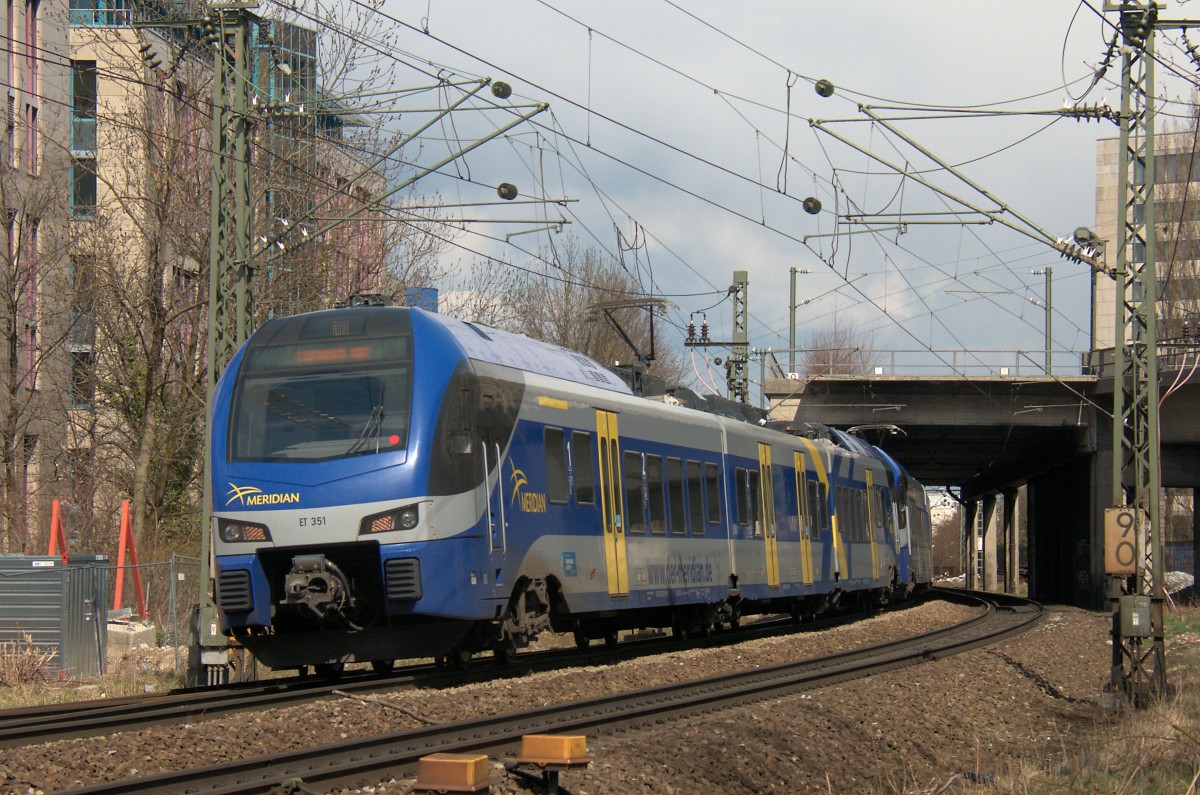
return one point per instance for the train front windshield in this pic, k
(322, 400)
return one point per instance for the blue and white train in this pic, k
(391, 483)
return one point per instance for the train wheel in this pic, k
(505, 651)
(582, 641)
(330, 670)
(383, 666)
(458, 659)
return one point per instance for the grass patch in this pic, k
(1151, 751)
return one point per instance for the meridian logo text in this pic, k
(253, 495)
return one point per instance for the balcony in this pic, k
(101, 13)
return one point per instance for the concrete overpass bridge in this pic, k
(1004, 425)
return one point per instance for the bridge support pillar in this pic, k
(988, 548)
(971, 544)
(1012, 542)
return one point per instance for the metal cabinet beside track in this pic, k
(46, 607)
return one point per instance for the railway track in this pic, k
(83, 719)
(396, 754)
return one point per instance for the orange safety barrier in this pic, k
(58, 535)
(126, 542)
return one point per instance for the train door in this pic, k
(766, 485)
(874, 523)
(611, 500)
(497, 526)
(806, 566)
(825, 489)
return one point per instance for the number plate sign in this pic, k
(1121, 540)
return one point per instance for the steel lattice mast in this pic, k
(229, 268)
(1139, 662)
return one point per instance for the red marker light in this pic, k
(394, 439)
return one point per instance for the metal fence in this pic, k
(171, 590)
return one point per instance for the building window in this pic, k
(83, 107)
(83, 379)
(10, 52)
(83, 187)
(31, 138)
(32, 49)
(10, 132)
(27, 269)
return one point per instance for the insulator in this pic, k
(691, 331)
(704, 331)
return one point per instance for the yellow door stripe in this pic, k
(806, 567)
(823, 476)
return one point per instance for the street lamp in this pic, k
(792, 327)
(1048, 272)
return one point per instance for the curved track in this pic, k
(397, 753)
(81, 719)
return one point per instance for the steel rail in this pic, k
(374, 758)
(26, 725)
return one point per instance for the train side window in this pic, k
(695, 497)
(864, 516)
(881, 512)
(856, 522)
(823, 507)
(635, 497)
(740, 505)
(675, 496)
(656, 494)
(753, 494)
(557, 488)
(712, 492)
(839, 506)
(814, 510)
(581, 462)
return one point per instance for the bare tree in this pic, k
(559, 304)
(33, 333)
(947, 545)
(838, 349)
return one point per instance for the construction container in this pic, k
(46, 607)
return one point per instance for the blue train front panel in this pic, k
(323, 435)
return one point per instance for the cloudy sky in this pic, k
(683, 128)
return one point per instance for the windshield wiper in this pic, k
(371, 431)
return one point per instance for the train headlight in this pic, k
(233, 532)
(405, 518)
(408, 518)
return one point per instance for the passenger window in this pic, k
(656, 494)
(635, 499)
(712, 492)
(695, 498)
(823, 507)
(557, 489)
(581, 464)
(741, 505)
(675, 496)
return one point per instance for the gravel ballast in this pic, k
(970, 716)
